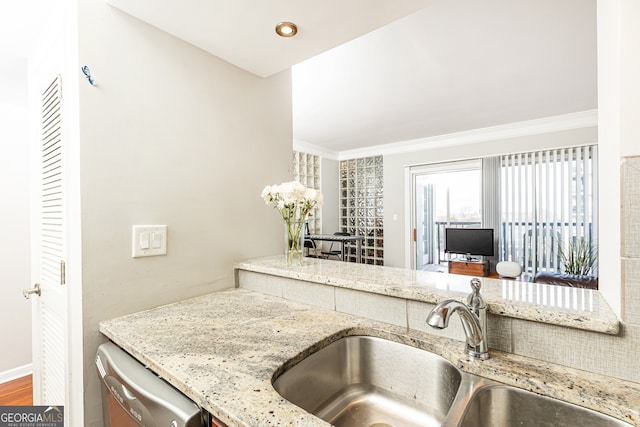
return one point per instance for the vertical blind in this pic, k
(547, 198)
(491, 201)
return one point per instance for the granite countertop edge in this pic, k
(421, 286)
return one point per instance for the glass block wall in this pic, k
(361, 206)
(306, 170)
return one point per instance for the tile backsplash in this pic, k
(631, 207)
(631, 240)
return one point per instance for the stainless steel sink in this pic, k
(364, 381)
(372, 382)
(510, 406)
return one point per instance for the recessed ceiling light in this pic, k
(286, 29)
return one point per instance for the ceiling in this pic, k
(370, 72)
(242, 32)
(451, 66)
(454, 66)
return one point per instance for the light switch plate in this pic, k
(149, 240)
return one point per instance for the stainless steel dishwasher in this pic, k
(134, 396)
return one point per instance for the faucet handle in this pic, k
(476, 284)
(475, 300)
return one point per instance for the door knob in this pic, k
(35, 290)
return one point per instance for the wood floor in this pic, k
(17, 392)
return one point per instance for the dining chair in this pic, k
(332, 252)
(310, 247)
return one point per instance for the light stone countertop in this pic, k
(583, 309)
(222, 350)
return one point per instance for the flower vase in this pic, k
(294, 237)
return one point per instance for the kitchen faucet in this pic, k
(474, 320)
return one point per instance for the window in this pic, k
(443, 195)
(547, 201)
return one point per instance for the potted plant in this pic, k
(579, 257)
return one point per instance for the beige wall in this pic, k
(330, 186)
(175, 136)
(630, 70)
(15, 273)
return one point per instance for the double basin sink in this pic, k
(372, 382)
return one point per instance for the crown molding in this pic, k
(582, 119)
(307, 147)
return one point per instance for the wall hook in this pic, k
(87, 73)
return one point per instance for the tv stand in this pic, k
(469, 268)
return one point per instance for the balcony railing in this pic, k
(440, 235)
(533, 245)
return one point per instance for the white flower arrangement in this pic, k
(294, 201)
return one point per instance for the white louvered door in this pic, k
(50, 308)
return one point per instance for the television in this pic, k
(469, 241)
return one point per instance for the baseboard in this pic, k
(15, 373)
